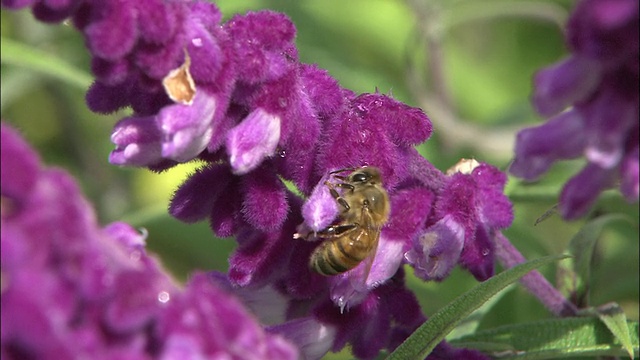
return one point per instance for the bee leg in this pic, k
(342, 170)
(336, 195)
(336, 230)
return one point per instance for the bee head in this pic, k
(366, 175)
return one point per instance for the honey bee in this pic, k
(364, 209)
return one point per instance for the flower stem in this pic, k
(534, 282)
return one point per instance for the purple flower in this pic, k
(468, 211)
(592, 101)
(206, 322)
(71, 289)
(235, 96)
(254, 139)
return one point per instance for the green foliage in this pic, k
(434, 330)
(551, 339)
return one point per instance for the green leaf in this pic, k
(470, 324)
(429, 334)
(551, 339)
(616, 321)
(574, 274)
(17, 54)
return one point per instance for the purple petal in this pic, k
(137, 142)
(254, 139)
(351, 288)
(538, 147)
(54, 11)
(19, 165)
(496, 209)
(605, 30)
(157, 20)
(405, 125)
(321, 208)
(610, 117)
(17, 4)
(105, 99)
(207, 56)
(409, 210)
(436, 251)
(260, 256)
(560, 85)
(114, 34)
(126, 234)
(110, 73)
(368, 145)
(260, 41)
(324, 91)
(186, 129)
(388, 259)
(264, 205)
(185, 328)
(581, 192)
(478, 254)
(194, 199)
(156, 61)
(267, 303)
(226, 219)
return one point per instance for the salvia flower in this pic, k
(71, 289)
(270, 131)
(591, 99)
(469, 210)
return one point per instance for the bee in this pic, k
(364, 209)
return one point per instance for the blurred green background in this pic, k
(468, 64)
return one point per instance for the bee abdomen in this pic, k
(331, 258)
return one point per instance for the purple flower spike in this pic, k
(469, 210)
(254, 139)
(73, 290)
(598, 86)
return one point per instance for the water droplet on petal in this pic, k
(197, 42)
(485, 251)
(342, 303)
(282, 153)
(164, 297)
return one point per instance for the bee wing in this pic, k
(374, 233)
(371, 233)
